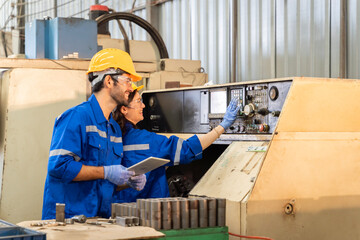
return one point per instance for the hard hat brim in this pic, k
(135, 77)
(138, 88)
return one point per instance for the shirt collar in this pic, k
(128, 125)
(99, 115)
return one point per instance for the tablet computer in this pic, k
(147, 165)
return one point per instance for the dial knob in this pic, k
(151, 101)
(242, 128)
(249, 110)
(264, 128)
(273, 93)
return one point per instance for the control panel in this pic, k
(202, 109)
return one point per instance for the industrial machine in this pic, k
(289, 168)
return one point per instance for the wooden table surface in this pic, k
(86, 231)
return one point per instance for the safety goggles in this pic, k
(136, 104)
(122, 79)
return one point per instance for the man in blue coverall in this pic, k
(86, 148)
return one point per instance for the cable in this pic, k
(249, 237)
(130, 25)
(142, 23)
(126, 38)
(3, 4)
(11, 16)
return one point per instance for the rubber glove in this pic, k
(230, 114)
(117, 174)
(137, 182)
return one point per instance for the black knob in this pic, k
(263, 111)
(256, 121)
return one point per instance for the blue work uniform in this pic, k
(81, 136)
(141, 144)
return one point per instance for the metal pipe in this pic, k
(141, 205)
(117, 210)
(194, 212)
(185, 215)
(221, 211)
(166, 214)
(60, 212)
(156, 214)
(234, 40)
(203, 212)
(113, 210)
(343, 39)
(175, 213)
(147, 212)
(123, 210)
(212, 211)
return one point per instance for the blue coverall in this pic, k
(81, 136)
(141, 144)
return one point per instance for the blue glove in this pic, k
(117, 174)
(137, 182)
(230, 114)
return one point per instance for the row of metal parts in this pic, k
(171, 213)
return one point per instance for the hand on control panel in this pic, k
(230, 114)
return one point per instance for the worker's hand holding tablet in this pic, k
(147, 165)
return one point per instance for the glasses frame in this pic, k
(126, 80)
(138, 104)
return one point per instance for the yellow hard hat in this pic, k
(134, 87)
(113, 58)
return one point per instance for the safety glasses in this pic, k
(136, 103)
(122, 79)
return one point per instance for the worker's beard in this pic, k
(119, 96)
(120, 99)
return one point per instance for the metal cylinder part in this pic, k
(113, 210)
(185, 214)
(117, 210)
(138, 203)
(137, 212)
(129, 209)
(155, 214)
(221, 211)
(203, 212)
(123, 210)
(166, 214)
(194, 212)
(147, 212)
(142, 212)
(175, 214)
(60, 212)
(212, 211)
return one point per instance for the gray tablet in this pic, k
(147, 165)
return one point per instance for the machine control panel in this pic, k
(200, 110)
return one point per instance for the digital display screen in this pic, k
(218, 102)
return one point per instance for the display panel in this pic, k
(218, 101)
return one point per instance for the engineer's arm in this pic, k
(90, 173)
(207, 139)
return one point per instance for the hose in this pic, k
(140, 22)
(126, 38)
